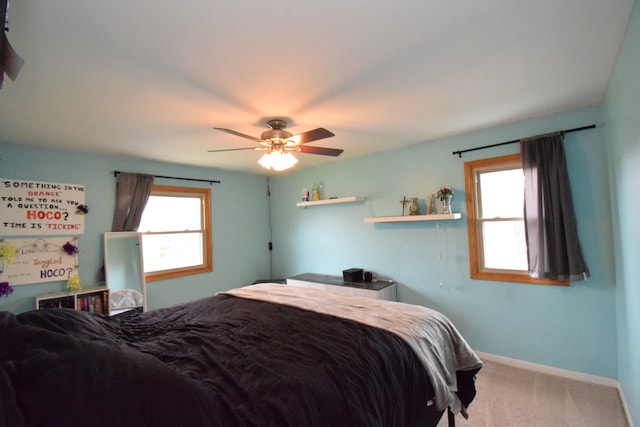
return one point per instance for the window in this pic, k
(176, 232)
(495, 217)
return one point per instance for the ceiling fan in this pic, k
(276, 139)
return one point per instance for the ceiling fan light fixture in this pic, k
(277, 161)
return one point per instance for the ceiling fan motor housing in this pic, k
(277, 124)
(277, 135)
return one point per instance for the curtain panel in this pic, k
(10, 61)
(554, 249)
(132, 192)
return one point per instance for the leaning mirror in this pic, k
(124, 272)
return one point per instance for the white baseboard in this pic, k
(564, 373)
(626, 408)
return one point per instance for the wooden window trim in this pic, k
(473, 222)
(207, 266)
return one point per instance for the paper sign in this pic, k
(38, 260)
(37, 208)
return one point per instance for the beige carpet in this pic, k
(515, 397)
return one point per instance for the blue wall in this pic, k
(239, 215)
(567, 327)
(623, 118)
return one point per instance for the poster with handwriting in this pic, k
(38, 260)
(30, 208)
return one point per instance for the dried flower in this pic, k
(5, 289)
(70, 248)
(8, 252)
(73, 284)
(445, 192)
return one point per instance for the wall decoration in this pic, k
(74, 284)
(39, 260)
(5, 289)
(403, 202)
(30, 208)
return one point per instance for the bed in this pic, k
(262, 355)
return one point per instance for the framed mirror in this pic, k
(124, 272)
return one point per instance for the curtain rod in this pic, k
(210, 181)
(459, 153)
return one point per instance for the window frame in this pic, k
(474, 224)
(207, 266)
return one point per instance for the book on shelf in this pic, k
(92, 301)
(61, 302)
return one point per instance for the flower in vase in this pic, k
(445, 192)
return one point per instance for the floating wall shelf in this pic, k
(411, 218)
(349, 199)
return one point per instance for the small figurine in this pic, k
(432, 205)
(413, 206)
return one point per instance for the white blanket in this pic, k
(436, 342)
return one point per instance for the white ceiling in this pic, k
(151, 78)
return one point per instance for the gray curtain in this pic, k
(10, 61)
(132, 192)
(554, 248)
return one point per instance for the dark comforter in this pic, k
(219, 361)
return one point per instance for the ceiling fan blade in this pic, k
(235, 149)
(335, 152)
(242, 135)
(312, 135)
